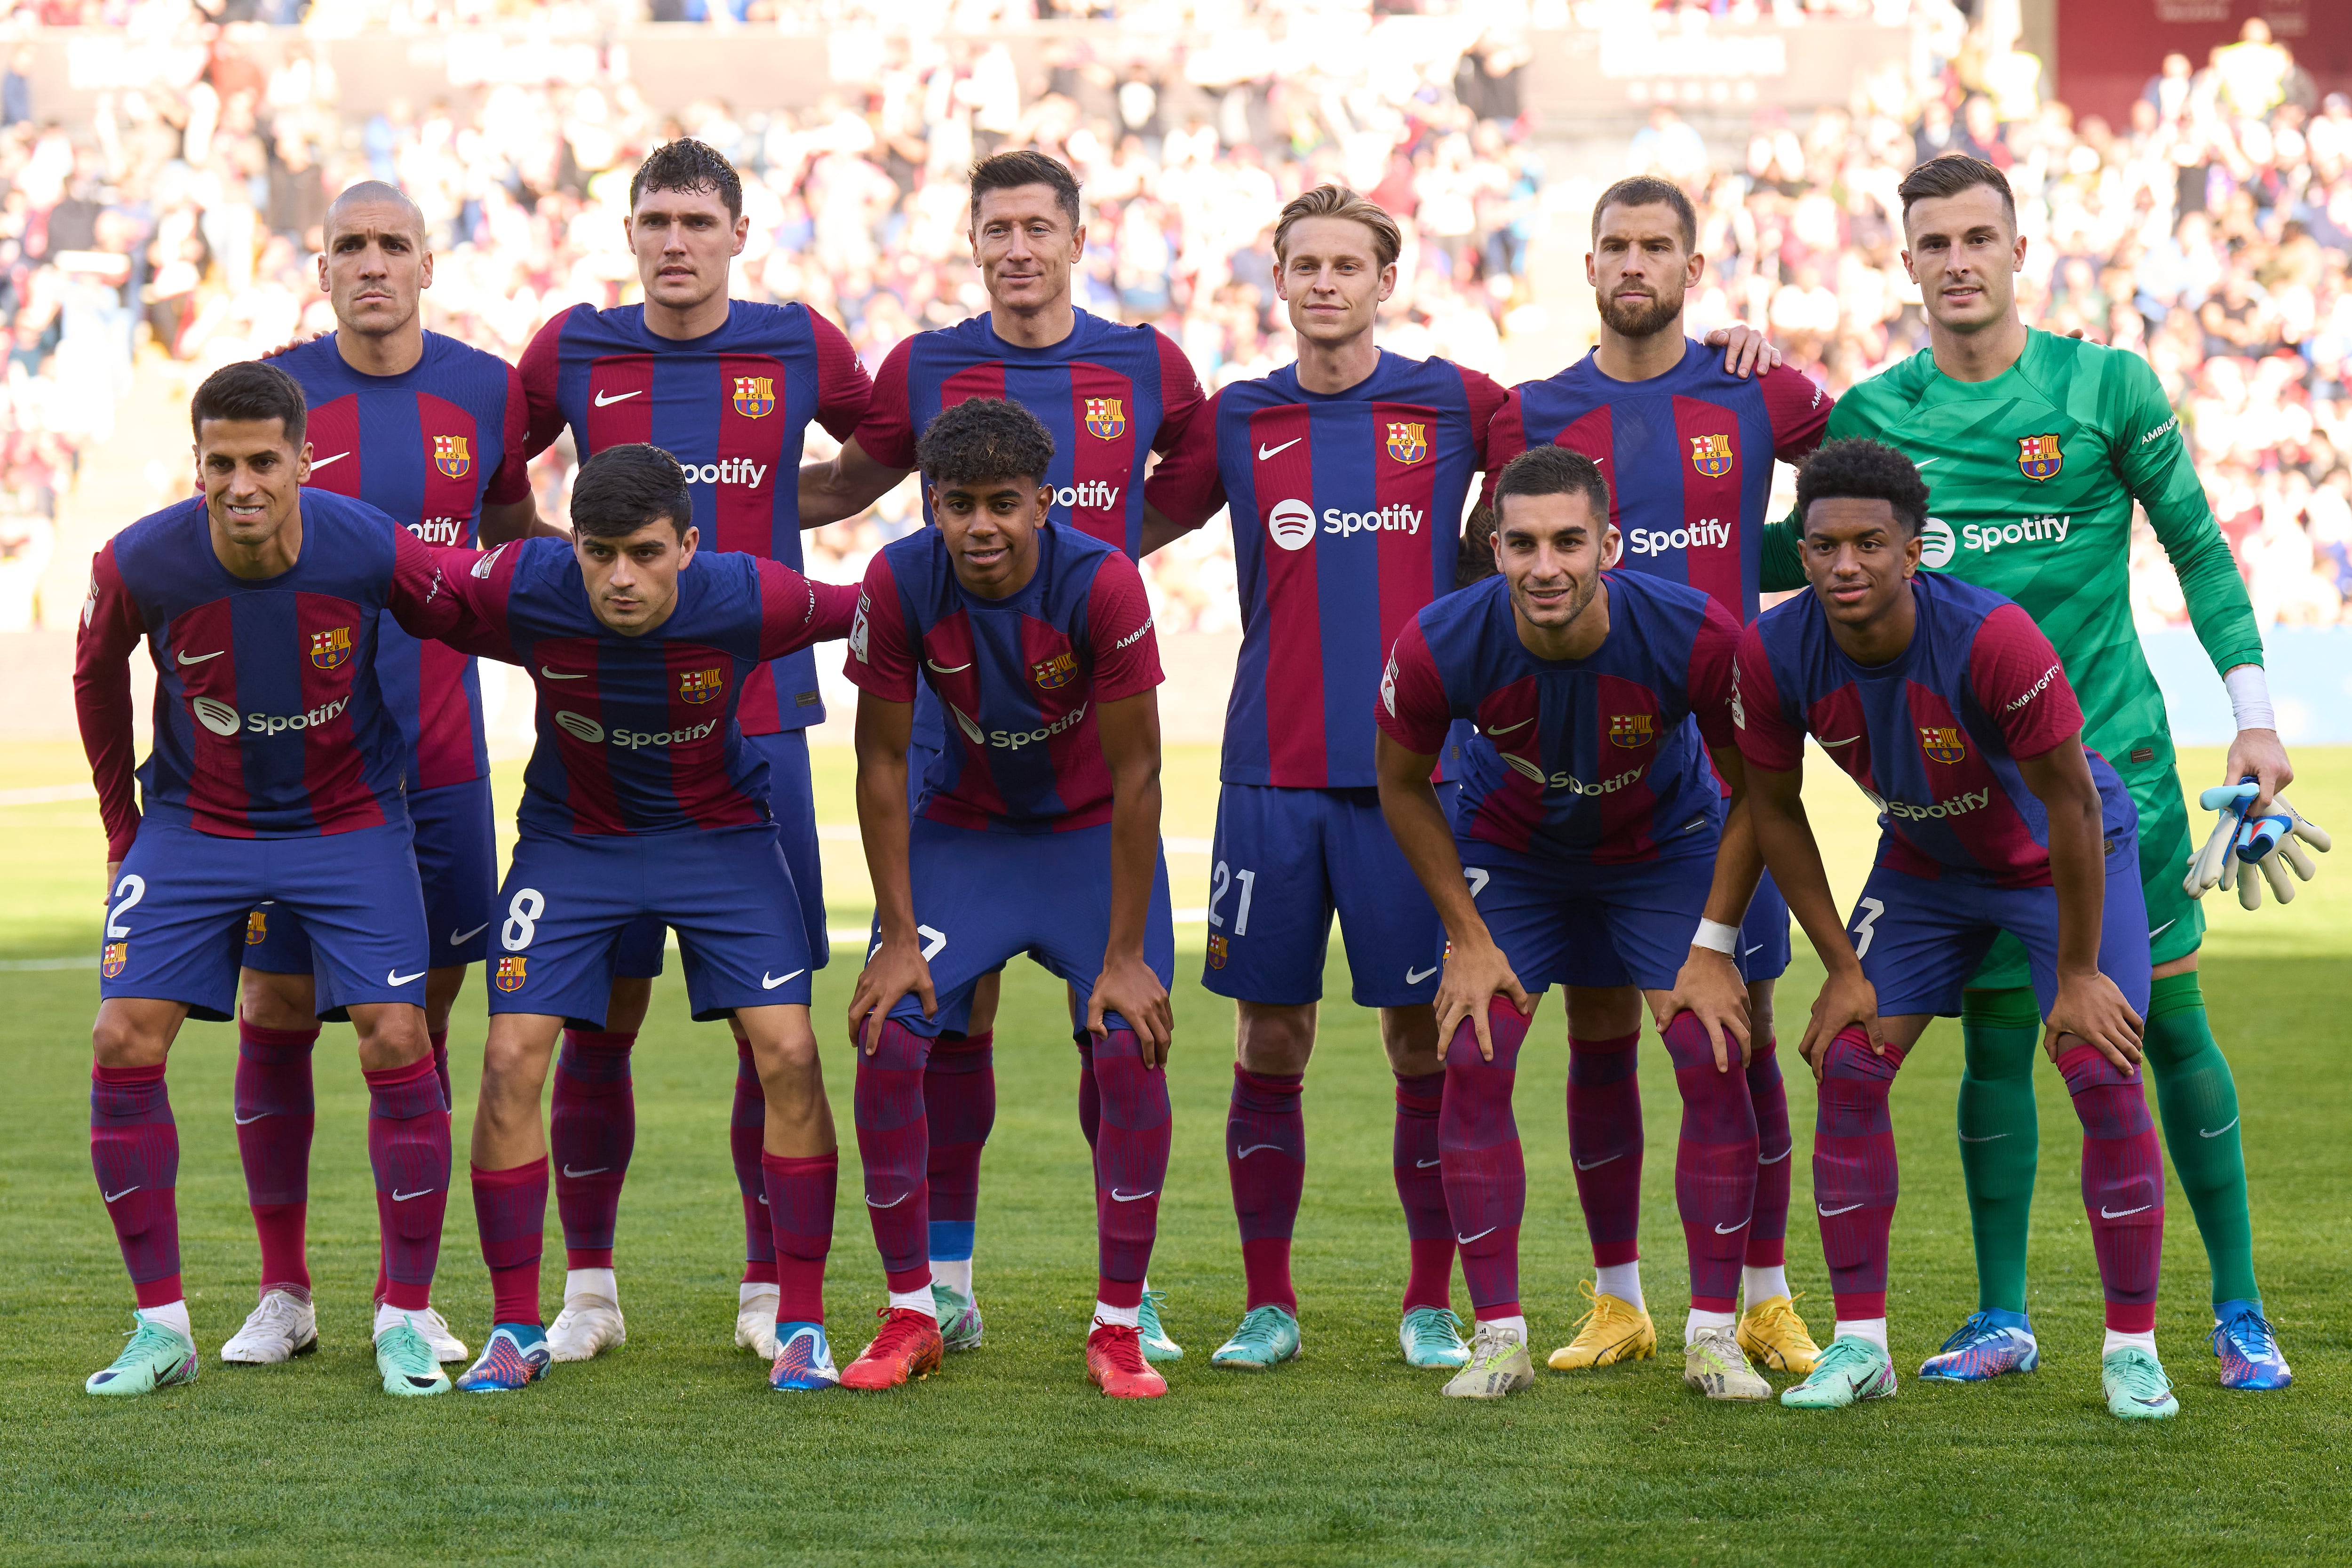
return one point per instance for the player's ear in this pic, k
(1388, 280)
(424, 269)
(742, 233)
(1694, 269)
(1078, 243)
(2017, 254)
(302, 464)
(1591, 270)
(324, 286)
(1908, 270)
(687, 542)
(1911, 548)
(1612, 544)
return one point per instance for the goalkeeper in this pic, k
(2035, 448)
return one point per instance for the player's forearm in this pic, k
(2078, 872)
(2218, 609)
(1784, 569)
(1134, 857)
(505, 521)
(102, 712)
(1158, 530)
(1418, 824)
(883, 825)
(1739, 865)
(1784, 839)
(843, 487)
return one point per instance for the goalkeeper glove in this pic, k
(2239, 842)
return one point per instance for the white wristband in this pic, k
(2249, 697)
(1715, 935)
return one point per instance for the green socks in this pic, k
(2198, 1101)
(2000, 1032)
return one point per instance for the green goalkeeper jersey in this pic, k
(2031, 480)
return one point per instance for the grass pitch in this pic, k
(672, 1449)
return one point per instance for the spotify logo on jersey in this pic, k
(1292, 524)
(1936, 543)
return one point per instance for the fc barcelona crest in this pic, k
(1408, 440)
(256, 926)
(1711, 455)
(452, 457)
(755, 395)
(1632, 731)
(510, 971)
(331, 649)
(1216, 951)
(701, 685)
(1106, 419)
(1058, 670)
(1942, 744)
(116, 959)
(2037, 456)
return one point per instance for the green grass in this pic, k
(671, 1449)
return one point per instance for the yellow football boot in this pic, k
(1613, 1330)
(1775, 1338)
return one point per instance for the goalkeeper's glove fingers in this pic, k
(2310, 832)
(2210, 865)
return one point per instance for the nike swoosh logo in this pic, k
(559, 675)
(1830, 1214)
(1727, 1229)
(1506, 729)
(401, 1198)
(590, 1171)
(893, 1202)
(459, 939)
(1745, 951)
(1415, 977)
(1253, 1149)
(1265, 452)
(1466, 1240)
(394, 977)
(187, 658)
(1849, 741)
(1423, 1165)
(602, 401)
(947, 669)
(1597, 1163)
(767, 984)
(125, 1193)
(1986, 1138)
(1775, 1159)
(249, 1120)
(2106, 1213)
(2217, 1131)
(1925, 462)
(1118, 1197)
(2151, 936)
(318, 463)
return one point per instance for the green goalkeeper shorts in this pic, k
(2176, 923)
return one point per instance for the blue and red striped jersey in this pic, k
(731, 406)
(1583, 760)
(1024, 675)
(640, 734)
(1110, 395)
(268, 720)
(1688, 455)
(1932, 737)
(429, 446)
(1347, 516)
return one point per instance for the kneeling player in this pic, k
(643, 801)
(1037, 830)
(1587, 830)
(1945, 703)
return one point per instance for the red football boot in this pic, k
(909, 1346)
(1114, 1363)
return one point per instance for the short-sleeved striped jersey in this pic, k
(731, 406)
(429, 446)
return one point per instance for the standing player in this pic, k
(2035, 448)
(429, 431)
(1036, 829)
(728, 386)
(644, 800)
(1591, 824)
(276, 778)
(1687, 446)
(1346, 474)
(1109, 395)
(1948, 706)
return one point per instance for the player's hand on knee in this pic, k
(1475, 973)
(2091, 1008)
(1745, 351)
(1128, 987)
(896, 972)
(1847, 998)
(1708, 987)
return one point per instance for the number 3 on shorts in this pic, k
(1866, 929)
(522, 919)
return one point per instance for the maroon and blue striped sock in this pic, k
(440, 1044)
(1090, 1094)
(893, 1144)
(275, 1112)
(134, 1148)
(2123, 1184)
(1855, 1183)
(1605, 1139)
(510, 1212)
(592, 1131)
(1478, 1154)
(1265, 1161)
(408, 1147)
(1130, 1166)
(1767, 1230)
(800, 1192)
(1715, 1164)
(960, 1104)
(747, 1124)
(1421, 1190)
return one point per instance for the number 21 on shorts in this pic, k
(1223, 879)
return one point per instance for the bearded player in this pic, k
(2035, 448)
(1687, 443)
(430, 431)
(728, 386)
(1109, 395)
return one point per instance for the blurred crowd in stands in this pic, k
(2209, 232)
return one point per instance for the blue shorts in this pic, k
(1560, 923)
(457, 864)
(1920, 941)
(1764, 934)
(182, 903)
(791, 801)
(983, 899)
(727, 892)
(1285, 861)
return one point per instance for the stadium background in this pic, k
(2186, 179)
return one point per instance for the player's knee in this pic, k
(1849, 1059)
(1603, 1012)
(1409, 1035)
(269, 1001)
(120, 1038)
(1277, 1039)
(624, 1006)
(391, 1036)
